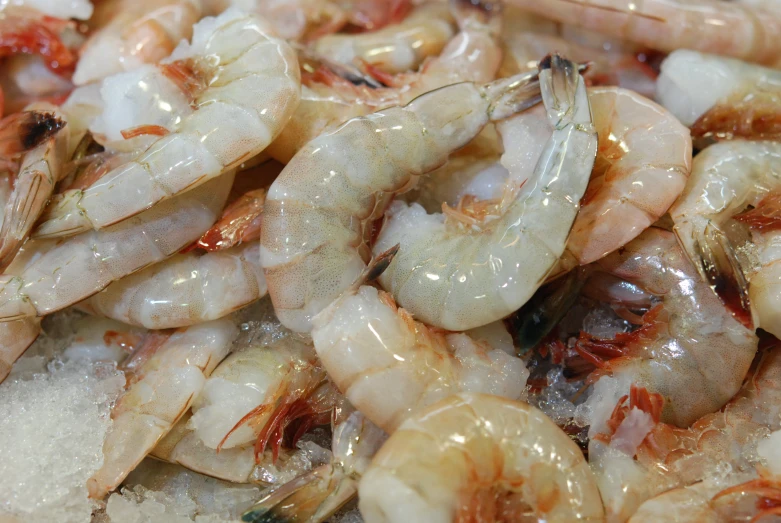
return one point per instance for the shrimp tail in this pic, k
(312, 497)
(23, 131)
(512, 95)
(376, 267)
(716, 260)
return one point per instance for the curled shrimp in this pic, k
(48, 275)
(165, 379)
(236, 87)
(388, 365)
(327, 100)
(728, 178)
(40, 169)
(184, 290)
(138, 32)
(319, 212)
(731, 29)
(396, 48)
(442, 269)
(475, 457)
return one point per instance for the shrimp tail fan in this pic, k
(310, 498)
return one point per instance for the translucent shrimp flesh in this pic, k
(442, 270)
(234, 87)
(476, 457)
(319, 212)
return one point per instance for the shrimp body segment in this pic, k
(243, 85)
(49, 275)
(319, 212)
(475, 457)
(159, 392)
(389, 365)
(731, 29)
(184, 290)
(442, 270)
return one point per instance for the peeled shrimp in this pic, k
(49, 275)
(15, 338)
(726, 179)
(138, 32)
(40, 170)
(473, 55)
(475, 457)
(395, 48)
(388, 365)
(159, 392)
(184, 290)
(711, 26)
(243, 85)
(319, 212)
(690, 349)
(443, 269)
(721, 98)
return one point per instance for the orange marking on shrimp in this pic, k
(141, 130)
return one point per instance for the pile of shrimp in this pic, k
(437, 198)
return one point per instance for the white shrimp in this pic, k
(711, 26)
(328, 100)
(138, 32)
(49, 275)
(40, 169)
(475, 457)
(396, 48)
(721, 98)
(728, 178)
(388, 365)
(319, 212)
(184, 290)
(240, 86)
(443, 269)
(160, 390)
(80, 9)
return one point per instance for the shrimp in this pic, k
(79, 9)
(721, 98)
(22, 132)
(674, 351)
(26, 80)
(184, 290)
(388, 365)
(138, 32)
(726, 179)
(316, 495)
(395, 48)
(48, 275)
(327, 100)
(15, 338)
(26, 30)
(442, 269)
(40, 170)
(243, 86)
(476, 457)
(711, 26)
(319, 212)
(160, 390)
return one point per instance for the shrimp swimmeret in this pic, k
(234, 88)
(319, 213)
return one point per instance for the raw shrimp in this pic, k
(712, 26)
(25, 79)
(395, 48)
(160, 389)
(319, 212)
(40, 169)
(328, 100)
(240, 223)
(243, 85)
(48, 275)
(138, 32)
(21, 132)
(184, 290)
(315, 496)
(689, 349)
(15, 338)
(80, 9)
(475, 457)
(25, 30)
(721, 98)
(388, 365)
(726, 179)
(443, 268)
